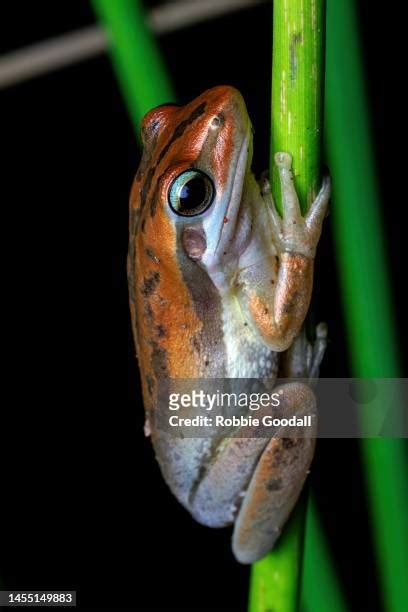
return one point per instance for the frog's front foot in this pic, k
(294, 233)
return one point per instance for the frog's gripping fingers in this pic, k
(295, 233)
(268, 198)
(290, 200)
(318, 209)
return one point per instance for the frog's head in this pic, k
(190, 183)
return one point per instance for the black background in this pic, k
(83, 505)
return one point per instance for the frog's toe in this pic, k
(318, 209)
(264, 183)
(318, 350)
(283, 160)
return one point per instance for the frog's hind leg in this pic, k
(282, 468)
(223, 481)
(276, 482)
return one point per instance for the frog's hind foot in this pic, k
(264, 184)
(318, 350)
(303, 358)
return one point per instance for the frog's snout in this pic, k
(217, 121)
(194, 242)
(226, 109)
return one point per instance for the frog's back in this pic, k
(186, 317)
(177, 312)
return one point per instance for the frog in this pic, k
(219, 287)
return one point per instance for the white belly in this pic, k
(246, 355)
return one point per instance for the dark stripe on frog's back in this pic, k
(134, 215)
(181, 128)
(136, 220)
(178, 132)
(209, 342)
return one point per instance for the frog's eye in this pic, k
(191, 193)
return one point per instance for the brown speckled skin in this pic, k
(173, 140)
(219, 297)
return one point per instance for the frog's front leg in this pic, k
(277, 309)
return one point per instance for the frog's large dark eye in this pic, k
(191, 193)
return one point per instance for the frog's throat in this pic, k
(228, 224)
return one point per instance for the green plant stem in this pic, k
(139, 68)
(366, 294)
(273, 577)
(296, 120)
(297, 77)
(144, 85)
(320, 589)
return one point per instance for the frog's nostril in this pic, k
(217, 121)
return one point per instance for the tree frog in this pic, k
(219, 287)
